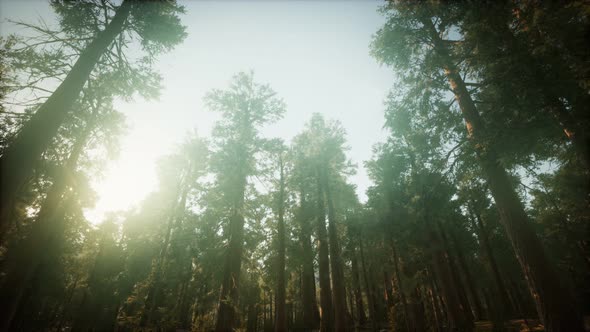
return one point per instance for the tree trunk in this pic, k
(400, 286)
(440, 304)
(455, 273)
(435, 311)
(228, 300)
(338, 291)
(456, 312)
(151, 299)
(19, 159)
(469, 280)
(281, 322)
(555, 304)
(370, 296)
(310, 313)
(506, 307)
(327, 321)
(358, 296)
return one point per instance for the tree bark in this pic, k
(370, 296)
(338, 291)
(456, 312)
(469, 280)
(327, 321)
(310, 313)
(228, 300)
(281, 322)
(455, 273)
(506, 307)
(400, 286)
(358, 296)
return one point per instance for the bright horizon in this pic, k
(315, 55)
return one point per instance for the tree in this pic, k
(425, 26)
(244, 107)
(18, 159)
(26, 258)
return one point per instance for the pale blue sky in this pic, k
(314, 54)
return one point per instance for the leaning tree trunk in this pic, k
(281, 319)
(18, 160)
(339, 291)
(327, 320)
(555, 304)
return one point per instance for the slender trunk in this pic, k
(310, 313)
(252, 318)
(327, 322)
(271, 311)
(309, 302)
(68, 299)
(350, 306)
(435, 310)
(555, 304)
(264, 309)
(505, 304)
(358, 296)
(338, 291)
(457, 313)
(151, 299)
(455, 271)
(182, 305)
(281, 322)
(380, 315)
(400, 286)
(387, 291)
(370, 297)
(418, 309)
(469, 280)
(19, 159)
(86, 318)
(443, 316)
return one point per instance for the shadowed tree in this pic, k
(415, 34)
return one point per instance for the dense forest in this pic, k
(477, 217)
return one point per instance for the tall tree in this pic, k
(19, 158)
(426, 25)
(244, 107)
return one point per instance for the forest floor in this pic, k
(514, 325)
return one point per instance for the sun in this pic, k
(126, 182)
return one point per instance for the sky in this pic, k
(314, 54)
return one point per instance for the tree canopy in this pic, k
(477, 216)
